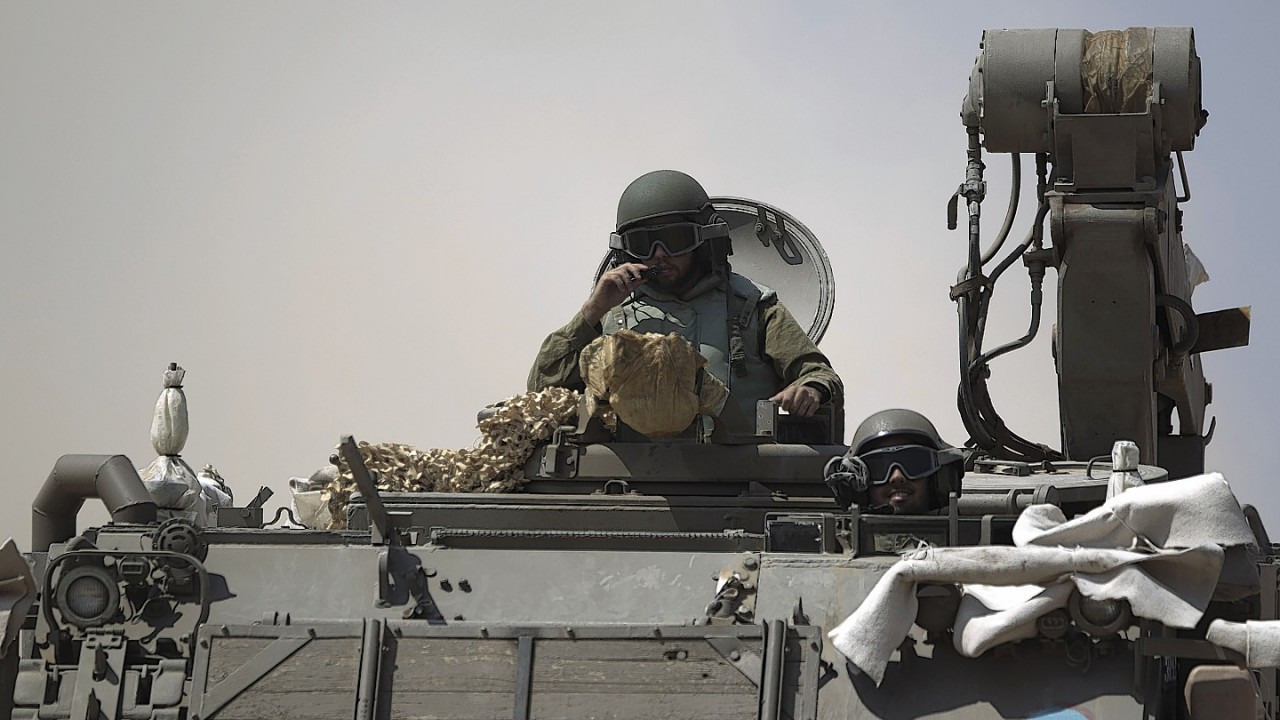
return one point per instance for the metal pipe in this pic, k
(371, 651)
(111, 478)
(974, 192)
(771, 680)
(524, 679)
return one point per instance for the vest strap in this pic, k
(737, 322)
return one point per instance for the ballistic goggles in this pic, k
(915, 462)
(876, 466)
(677, 238)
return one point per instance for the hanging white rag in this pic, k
(1159, 546)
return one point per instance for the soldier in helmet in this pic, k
(896, 464)
(670, 273)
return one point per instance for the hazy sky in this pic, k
(363, 217)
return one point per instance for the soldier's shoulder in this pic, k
(744, 286)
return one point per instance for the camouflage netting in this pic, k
(495, 465)
(653, 382)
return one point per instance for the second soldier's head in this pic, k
(897, 463)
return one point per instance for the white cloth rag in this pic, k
(1157, 546)
(1257, 640)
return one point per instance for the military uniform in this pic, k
(774, 352)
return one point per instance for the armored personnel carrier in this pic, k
(695, 578)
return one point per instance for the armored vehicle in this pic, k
(699, 578)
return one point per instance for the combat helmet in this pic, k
(662, 192)
(914, 428)
(671, 192)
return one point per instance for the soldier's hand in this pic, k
(613, 287)
(800, 400)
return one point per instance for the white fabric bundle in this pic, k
(1157, 546)
(1124, 468)
(215, 490)
(309, 506)
(170, 480)
(172, 484)
(169, 426)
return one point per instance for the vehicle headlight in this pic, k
(88, 595)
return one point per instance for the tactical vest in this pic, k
(703, 321)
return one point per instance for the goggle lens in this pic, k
(675, 238)
(915, 462)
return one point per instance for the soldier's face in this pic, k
(904, 495)
(675, 274)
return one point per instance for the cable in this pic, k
(1014, 196)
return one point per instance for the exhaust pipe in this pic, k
(112, 478)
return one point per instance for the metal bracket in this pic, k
(776, 234)
(524, 678)
(424, 606)
(249, 516)
(615, 487)
(735, 599)
(99, 676)
(745, 660)
(259, 500)
(559, 459)
(766, 418)
(240, 517)
(385, 580)
(953, 520)
(402, 579)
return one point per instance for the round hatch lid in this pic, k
(774, 249)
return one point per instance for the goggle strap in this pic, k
(848, 469)
(715, 232)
